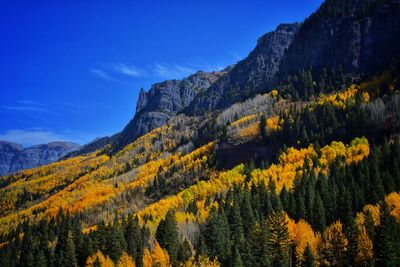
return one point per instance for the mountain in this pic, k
(163, 101)
(348, 35)
(14, 157)
(250, 75)
(7, 153)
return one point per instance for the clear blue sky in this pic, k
(72, 70)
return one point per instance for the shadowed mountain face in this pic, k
(250, 75)
(349, 34)
(14, 157)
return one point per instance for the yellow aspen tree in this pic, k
(333, 245)
(147, 259)
(160, 256)
(365, 253)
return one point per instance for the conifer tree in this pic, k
(308, 257)
(387, 240)
(167, 236)
(278, 241)
(237, 261)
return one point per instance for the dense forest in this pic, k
(305, 173)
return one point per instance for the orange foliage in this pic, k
(302, 234)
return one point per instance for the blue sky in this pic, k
(72, 70)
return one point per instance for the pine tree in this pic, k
(319, 220)
(216, 236)
(167, 236)
(352, 235)
(263, 127)
(116, 243)
(308, 257)
(278, 241)
(237, 261)
(386, 241)
(185, 252)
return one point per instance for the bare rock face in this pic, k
(163, 101)
(359, 36)
(14, 157)
(250, 75)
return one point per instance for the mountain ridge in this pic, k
(14, 157)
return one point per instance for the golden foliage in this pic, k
(333, 245)
(240, 122)
(274, 123)
(147, 259)
(291, 162)
(393, 200)
(301, 234)
(202, 261)
(373, 209)
(218, 182)
(160, 257)
(365, 252)
(344, 98)
(105, 261)
(126, 261)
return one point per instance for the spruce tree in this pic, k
(319, 219)
(386, 240)
(237, 261)
(278, 240)
(167, 236)
(308, 257)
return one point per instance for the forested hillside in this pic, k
(305, 172)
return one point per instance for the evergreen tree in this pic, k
(116, 243)
(237, 261)
(319, 221)
(216, 236)
(386, 240)
(185, 252)
(167, 236)
(278, 241)
(308, 257)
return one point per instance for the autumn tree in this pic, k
(332, 250)
(365, 253)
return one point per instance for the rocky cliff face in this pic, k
(250, 75)
(163, 101)
(14, 157)
(360, 36)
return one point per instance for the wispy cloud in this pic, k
(101, 74)
(29, 107)
(171, 71)
(34, 136)
(120, 72)
(128, 70)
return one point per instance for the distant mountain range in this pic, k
(14, 157)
